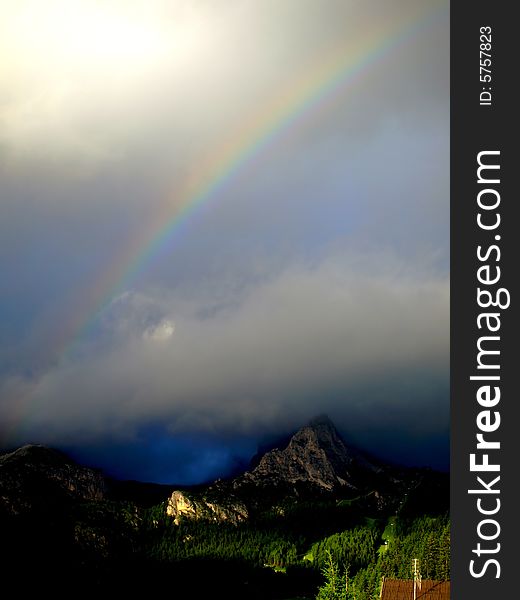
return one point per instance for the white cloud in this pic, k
(161, 332)
(83, 79)
(87, 83)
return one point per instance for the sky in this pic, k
(218, 220)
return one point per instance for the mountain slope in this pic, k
(35, 477)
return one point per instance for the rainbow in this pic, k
(338, 70)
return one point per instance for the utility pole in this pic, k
(416, 577)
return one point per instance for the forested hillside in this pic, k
(355, 557)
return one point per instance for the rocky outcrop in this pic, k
(181, 506)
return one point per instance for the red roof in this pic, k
(402, 589)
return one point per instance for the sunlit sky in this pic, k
(219, 219)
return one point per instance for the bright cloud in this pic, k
(161, 332)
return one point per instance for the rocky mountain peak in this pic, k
(321, 422)
(316, 457)
(321, 432)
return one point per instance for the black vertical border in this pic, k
(475, 128)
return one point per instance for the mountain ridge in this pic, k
(315, 462)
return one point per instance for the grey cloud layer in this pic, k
(287, 345)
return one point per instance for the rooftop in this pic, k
(402, 589)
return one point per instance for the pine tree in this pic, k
(337, 583)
